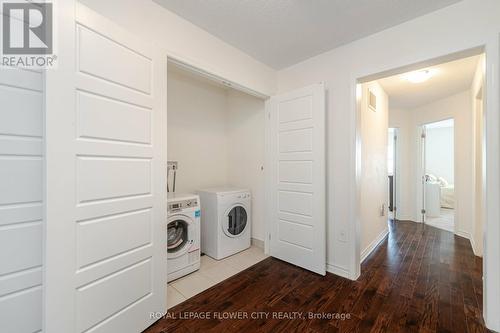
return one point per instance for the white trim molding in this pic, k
(373, 245)
(337, 270)
(257, 243)
(474, 247)
(463, 234)
(467, 235)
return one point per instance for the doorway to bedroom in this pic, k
(438, 181)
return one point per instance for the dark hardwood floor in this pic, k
(420, 279)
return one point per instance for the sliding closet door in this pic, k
(21, 200)
(106, 176)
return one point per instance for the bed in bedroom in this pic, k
(440, 193)
(448, 196)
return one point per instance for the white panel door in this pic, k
(21, 200)
(296, 177)
(106, 178)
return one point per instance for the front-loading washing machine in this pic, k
(183, 235)
(226, 221)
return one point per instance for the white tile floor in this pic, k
(445, 221)
(210, 273)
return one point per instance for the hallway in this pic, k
(419, 279)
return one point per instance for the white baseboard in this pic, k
(473, 244)
(366, 252)
(409, 219)
(405, 217)
(337, 270)
(467, 235)
(493, 325)
(257, 243)
(463, 234)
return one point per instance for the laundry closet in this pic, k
(215, 141)
(88, 172)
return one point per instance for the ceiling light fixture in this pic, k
(419, 76)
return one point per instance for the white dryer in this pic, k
(225, 221)
(183, 235)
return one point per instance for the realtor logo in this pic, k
(27, 34)
(27, 28)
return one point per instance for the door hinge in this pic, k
(423, 211)
(269, 115)
(422, 135)
(269, 236)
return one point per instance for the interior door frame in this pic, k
(395, 198)
(395, 182)
(199, 70)
(421, 171)
(491, 273)
(59, 296)
(267, 177)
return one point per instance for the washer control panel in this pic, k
(179, 205)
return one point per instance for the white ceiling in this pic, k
(281, 33)
(449, 78)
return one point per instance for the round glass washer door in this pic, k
(177, 236)
(235, 221)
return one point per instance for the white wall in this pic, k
(439, 152)
(374, 179)
(197, 132)
(187, 42)
(217, 136)
(246, 152)
(465, 25)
